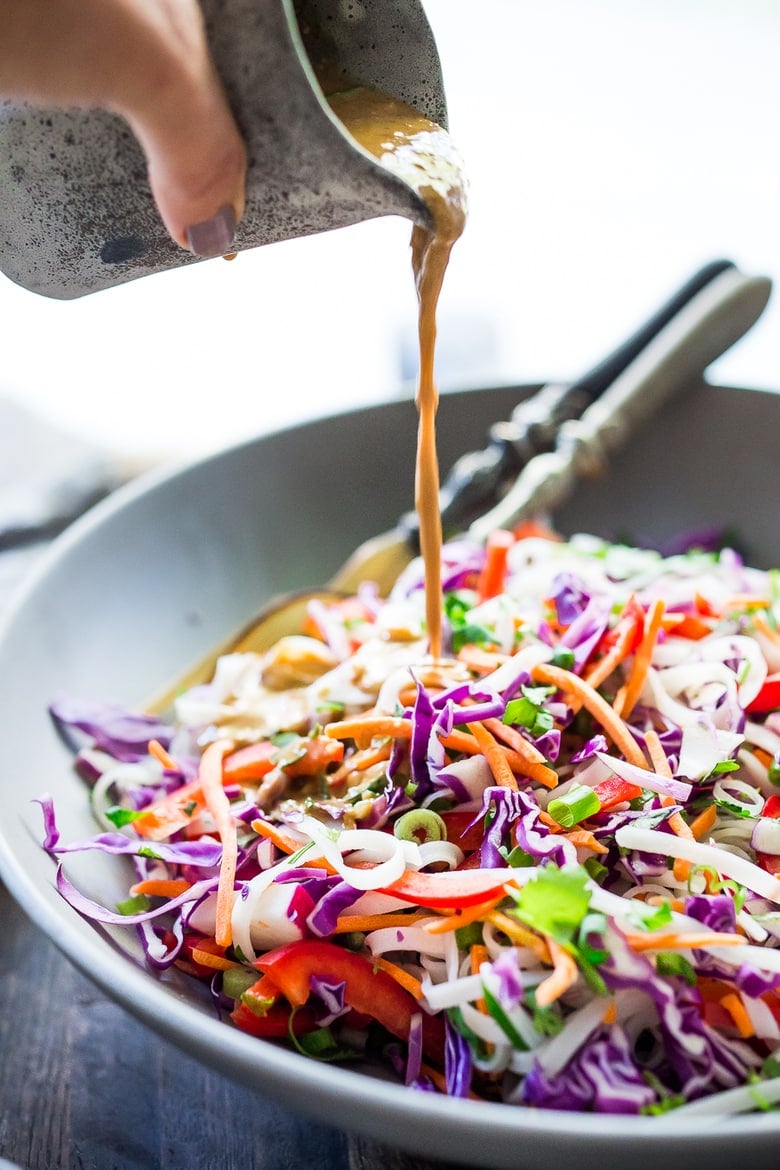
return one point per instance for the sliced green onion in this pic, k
(563, 658)
(420, 825)
(237, 980)
(546, 1020)
(595, 869)
(260, 1005)
(518, 858)
(469, 936)
(502, 1019)
(316, 1042)
(576, 805)
(134, 905)
(672, 963)
(738, 797)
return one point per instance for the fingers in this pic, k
(147, 60)
(196, 160)
(195, 154)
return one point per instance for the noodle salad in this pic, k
(542, 870)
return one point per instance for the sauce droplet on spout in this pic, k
(423, 155)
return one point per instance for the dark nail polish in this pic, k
(214, 236)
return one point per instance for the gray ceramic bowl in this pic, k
(163, 571)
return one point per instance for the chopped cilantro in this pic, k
(529, 712)
(135, 905)
(122, 816)
(555, 902)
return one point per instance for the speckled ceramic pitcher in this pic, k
(76, 212)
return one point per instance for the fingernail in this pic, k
(214, 236)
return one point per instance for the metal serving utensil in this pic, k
(76, 211)
(718, 311)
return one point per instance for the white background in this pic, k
(613, 146)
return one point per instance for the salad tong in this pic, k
(566, 431)
(533, 460)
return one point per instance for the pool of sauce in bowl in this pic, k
(423, 155)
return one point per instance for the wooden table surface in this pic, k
(83, 1085)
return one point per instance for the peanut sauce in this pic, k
(423, 155)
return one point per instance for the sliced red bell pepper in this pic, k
(768, 698)
(449, 889)
(629, 627)
(367, 989)
(276, 1023)
(491, 578)
(461, 831)
(249, 763)
(771, 808)
(319, 751)
(614, 791)
(769, 862)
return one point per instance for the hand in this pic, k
(148, 61)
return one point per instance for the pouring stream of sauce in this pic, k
(423, 155)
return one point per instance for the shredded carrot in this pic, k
(613, 726)
(681, 869)
(523, 756)
(368, 727)
(283, 840)
(479, 660)
(739, 1014)
(286, 842)
(658, 758)
(477, 956)
(462, 917)
(209, 959)
(679, 827)
(491, 578)
(157, 750)
(746, 601)
(763, 627)
(519, 934)
(763, 757)
(359, 762)
(531, 760)
(161, 887)
(704, 821)
(367, 922)
(627, 629)
(564, 974)
(658, 900)
(675, 821)
(642, 657)
(210, 777)
(692, 627)
(674, 941)
(409, 982)
(610, 1014)
(461, 741)
(539, 773)
(502, 773)
(585, 839)
(514, 739)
